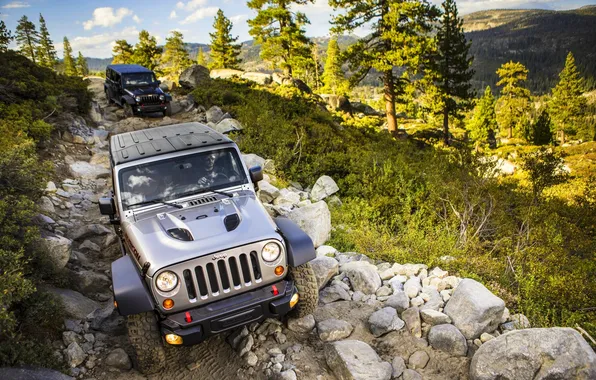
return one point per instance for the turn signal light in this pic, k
(115, 304)
(174, 339)
(294, 300)
(168, 303)
(279, 270)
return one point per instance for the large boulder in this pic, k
(260, 78)
(474, 309)
(89, 230)
(553, 353)
(57, 248)
(325, 268)
(449, 339)
(356, 360)
(324, 187)
(86, 170)
(384, 320)
(32, 374)
(228, 125)
(225, 73)
(363, 276)
(315, 220)
(338, 103)
(76, 305)
(194, 76)
(332, 329)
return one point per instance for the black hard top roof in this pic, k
(127, 69)
(132, 146)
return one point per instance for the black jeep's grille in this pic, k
(150, 99)
(222, 276)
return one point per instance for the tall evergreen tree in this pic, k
(281, 33)
(122, 52)
(224, 52)
(484, 120)
(146, 52)
(175, 56)
(201, 60)
(513, 104)
(567, 104)
(27, 38)
(400, 37)
(82, 67)
(334, 81)
(70, 67)
(46, 52)
(5, 37)
(542, 129)
(451, 71)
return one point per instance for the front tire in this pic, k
(168, 111)
(145, 338)
(308, 290)
(128, 112)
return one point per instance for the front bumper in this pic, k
(141, 108)
(220, 316)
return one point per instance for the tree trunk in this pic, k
(510, 131)
(390, 102)
(562, 137)
(446, 126)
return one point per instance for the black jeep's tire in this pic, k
(145, 338)
(308, 290)
(106, 92)
(128, 112)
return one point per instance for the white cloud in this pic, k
(238, 18)
(200, 14)
(99, 45)
(106, 17)
(320, 6)
(16, 4)
(173, 15)
(191, 5)
(180, 5)
(136, 19)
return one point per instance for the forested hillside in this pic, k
(539, 39)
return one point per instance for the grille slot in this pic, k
(202, 201)
(190, 285)
(235, 272)
(203, 291)
(245, 269)
(150, 99)
(255, 265)
(213, 280)
(223, 274)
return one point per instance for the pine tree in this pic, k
(514, 101)
(541, 129)
(70, 68)
(567, 104)
(451, 72)
(122, 52)
(484, 120)
(400, 37)
(280, 32)
(201, 57)
(146, 52)
(82, 67)
(224, 53)
(27, 38)
(334, 81)
(46, 52)
(175, 57)
(5, 37)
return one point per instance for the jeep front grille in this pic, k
(150, 99)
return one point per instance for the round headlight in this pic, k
(270, 252)
(162, 97)
(166, 281)
(138, 99)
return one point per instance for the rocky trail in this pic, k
(376, 320)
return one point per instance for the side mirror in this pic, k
(256, 174)
(107, 206)
(158, 82)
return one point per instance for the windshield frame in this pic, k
(244, 182)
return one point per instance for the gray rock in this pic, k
(433, 317)
(74, 355)
(520, 321)
(118, 358)
(333, 293)
(356, 360)
(384, 320)
(89, 230)
(324, 187)
(399, 301)
(260, 78)
(89, 282)
(86, 170)
(32, 374)
(334, 329)
(326, 250)
(46, 205)
(287, 198)
(418, 360)
(449, 339)
(76, 305)
(251, 359)
(410, 374)
(434, 301)
(89, 246)
(315, 220)
(267, 192)
(485, 337)
(225, 73)
(69, 337)
(228, 125)
(73, 325)
(411, 317)
(214, 115)
(193, 77)
(246, 345)
(412, 287)
(553, 353)
(236, 337)
(399, 366)
(363, 277)
(383, 291)
(57, 248)
(474, 309)
(302, 325)
(325, 268)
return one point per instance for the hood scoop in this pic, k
(174, 227)
(232, 222)
(180, 234)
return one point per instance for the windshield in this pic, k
(177, 177)
(138, 79)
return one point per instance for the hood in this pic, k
(145, 90)
(169, 236)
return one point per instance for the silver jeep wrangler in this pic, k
(201, 255)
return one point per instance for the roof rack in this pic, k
(129, 69)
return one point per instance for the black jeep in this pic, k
(136, 90)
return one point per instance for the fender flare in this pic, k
(298, 244)
(128, 99)
(130, 291)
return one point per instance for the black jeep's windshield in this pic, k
(138, 79)
(173, 178)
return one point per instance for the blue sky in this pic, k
(93, 26)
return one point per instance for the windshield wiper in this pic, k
(156, 201)
(204, 190)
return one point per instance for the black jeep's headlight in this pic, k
(270, 252)
(162, 97)
(138, 99)
(166, 281)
